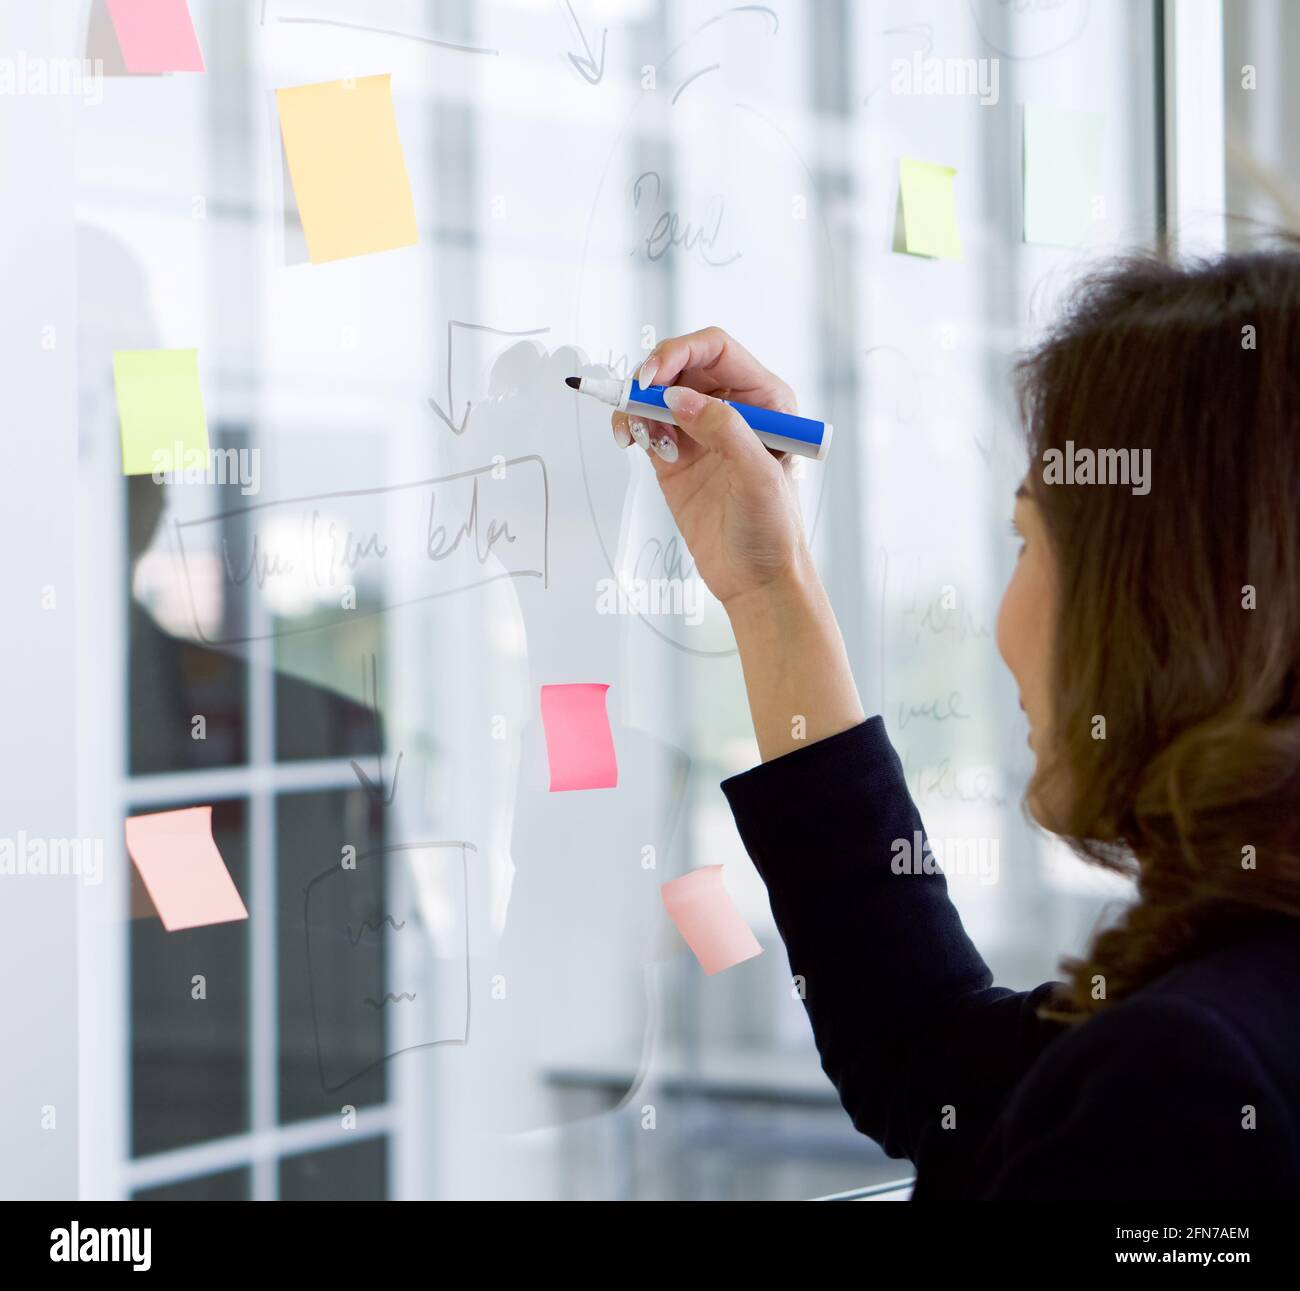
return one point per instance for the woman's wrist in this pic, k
(797, 673)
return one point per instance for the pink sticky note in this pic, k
(706, 916)
(179, 864)
(579, 746)
(156, 35)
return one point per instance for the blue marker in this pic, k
(779, 430)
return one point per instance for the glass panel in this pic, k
(229, 1185)
(332, 953)
(424, 528)
(352, 1173)
(173, 677)
(190, 1012)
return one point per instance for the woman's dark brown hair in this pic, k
(1179, 609)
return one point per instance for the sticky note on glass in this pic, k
(702, 908)
(345, 160)
(160, 410)
(156, 36)
(579, 744)
(179, 864)
(929, 209)
(1062, 175)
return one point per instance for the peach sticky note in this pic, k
(156, 35)
(702, 908)
(345, 160)
(579, 745)
(178, 861)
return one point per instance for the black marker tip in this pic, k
(573, 382)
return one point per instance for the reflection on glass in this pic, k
(190, 1012)
(353, 1173)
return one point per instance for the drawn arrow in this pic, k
(376, 792)
(590, 70)
(446, 415)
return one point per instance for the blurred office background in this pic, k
(736, 166)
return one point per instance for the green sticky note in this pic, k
(160, 409)
(929, 209)
(1062, 175)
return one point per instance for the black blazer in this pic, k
(1151, 1098)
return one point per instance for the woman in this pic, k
(1168, 1063)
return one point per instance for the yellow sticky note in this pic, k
(1062, 175)
(345, 159)
(929, 209)
(160, 410)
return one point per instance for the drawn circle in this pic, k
(1065, 23)
(828, 290)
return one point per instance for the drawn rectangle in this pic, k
(459, 531)
(349, 931)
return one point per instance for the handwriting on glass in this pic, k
(306, 556)
(940, 709)
(667, 229)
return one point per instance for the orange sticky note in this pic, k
(706, 916)
(180, 866)
(349, 175)
(156, 36)
(579, 744)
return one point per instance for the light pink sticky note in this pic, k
(179, 864)
(156, 35)
(579, 745)
(706, 916)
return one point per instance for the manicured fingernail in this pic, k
(684, 401)
(622, 436)
(640, 432)
(646, 376)
(665, 447)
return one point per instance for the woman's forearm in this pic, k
(797, 673)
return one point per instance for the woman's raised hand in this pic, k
(732, 497)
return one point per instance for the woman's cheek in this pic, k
(1009, 633)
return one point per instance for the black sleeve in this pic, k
(922, 1048)
(1155, 1098)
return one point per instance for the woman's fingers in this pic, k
(708, 348)
(664, 442)
(658, 438)
(719, 428)
(714, 363)
(711, 348)
(709, 425)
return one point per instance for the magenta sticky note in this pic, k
(706, 916)
(156, 35)
(178, 862)
(579, 745)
